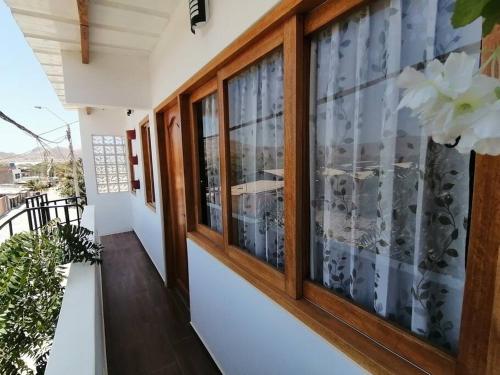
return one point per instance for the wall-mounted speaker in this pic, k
(198, 13)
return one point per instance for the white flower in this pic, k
(450, 101)
(451, 118)
(456, 75)
(484, 134)
(420, 90)
(449, 80)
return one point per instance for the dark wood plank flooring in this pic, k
(147, 325)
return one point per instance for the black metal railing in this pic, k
(39, 211)
(36, 200)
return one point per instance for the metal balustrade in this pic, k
(39, 211)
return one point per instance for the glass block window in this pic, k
(110, 163)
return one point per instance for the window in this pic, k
(255, 103)
(147, 162)
(207, 122)
(110, 164)
(389, 207)
(379, 232)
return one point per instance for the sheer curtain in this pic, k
(211, 207)
(389, 207)
(255, 99)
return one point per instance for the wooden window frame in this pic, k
(147, 163)
(371, 341)
(202, 92)
(389, 334)
(245, 59)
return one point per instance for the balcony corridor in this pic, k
(147, 326)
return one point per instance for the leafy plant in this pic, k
(467, 11)
(75, 244)
(66, 186)
(37, 185)
(32, 271)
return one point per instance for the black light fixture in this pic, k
(198, 13)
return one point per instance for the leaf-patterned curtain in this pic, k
(255, 99)
(210, 137)
(389, 207)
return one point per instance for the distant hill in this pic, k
(6, 155)
(36, 155)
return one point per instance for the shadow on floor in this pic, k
(147, 325)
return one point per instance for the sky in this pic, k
(23, 85)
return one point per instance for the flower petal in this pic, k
(410, 77)
(458, 71)
(416, 98)
(434, 69)
(488, 126)
(467, 142)
(488, 146)
(483, 87)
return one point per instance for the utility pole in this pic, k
(73, 161)
(76, 186)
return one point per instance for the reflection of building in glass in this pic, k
(256, 151)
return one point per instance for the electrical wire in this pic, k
(39, 139)
(59, 127)
(50, 151)
(43, 142)
(60, 140)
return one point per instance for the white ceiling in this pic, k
(115, 26)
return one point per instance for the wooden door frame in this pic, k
(165, 169)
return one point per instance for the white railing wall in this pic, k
(79, 343)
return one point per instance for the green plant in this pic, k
(467, 11)
(66, 186)
(32, 271)
(75, 244)
(36, 185)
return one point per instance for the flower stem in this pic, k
(492, 59)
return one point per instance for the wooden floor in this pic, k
(147, 326)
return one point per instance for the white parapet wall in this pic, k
(248, 333)
(79, 347)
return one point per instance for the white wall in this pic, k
(179, 54)
(248, 333)
(109, 80)
(113, 213)
(146, 222)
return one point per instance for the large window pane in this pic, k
(208, 145)
(389, 208)
(256, 155)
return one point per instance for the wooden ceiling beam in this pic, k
(83, 14)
